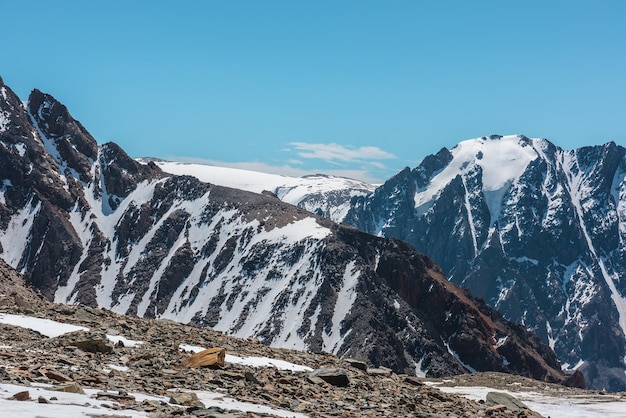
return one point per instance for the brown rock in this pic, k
(41, 399)
(412, 380)
(212, 357)
(96, 345)
(121, 396)
(54, 375)
(21, 396)
(71, 387)
(185, 398)
(495, 409)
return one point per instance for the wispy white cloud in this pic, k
(332, 152)
(378, 165)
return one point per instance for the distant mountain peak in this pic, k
(537, 231)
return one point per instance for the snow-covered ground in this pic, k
(551, 406)
(255, 181)
(69, 405)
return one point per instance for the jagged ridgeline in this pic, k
(537, 231)
(87, 224)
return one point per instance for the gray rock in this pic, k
(510, 402)
(335, 377)
(357, 364)
(379, 371)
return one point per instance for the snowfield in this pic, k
(550, 406)
(329, 193)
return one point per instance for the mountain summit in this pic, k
(537, 231)
(87, 224)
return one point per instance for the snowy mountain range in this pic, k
(327, 196)
(87, 224)
(537, 231)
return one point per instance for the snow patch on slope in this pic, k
(345, 299)
(252, 360)
(16, 237)
(5, 121)
(45, 327)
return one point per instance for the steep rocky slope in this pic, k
(87, 224)
(535, 230)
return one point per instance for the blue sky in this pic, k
(360, 88)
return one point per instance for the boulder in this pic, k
(212, 357)
(185, 399)
(357, 364)
(335, 377)
(21, 396)
(94, 345)
(71, 387)
(502, 400)
(412, 380)
(379, 371)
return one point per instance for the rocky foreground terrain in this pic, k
(149, 362)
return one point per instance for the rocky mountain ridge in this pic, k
(536, 231)
(86, 224)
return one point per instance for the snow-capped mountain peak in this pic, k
(537, 231)
(501, 160)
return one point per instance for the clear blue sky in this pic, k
(362, 88)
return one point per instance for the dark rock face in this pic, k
(59, 131)
(536, 231)
(88, 224)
